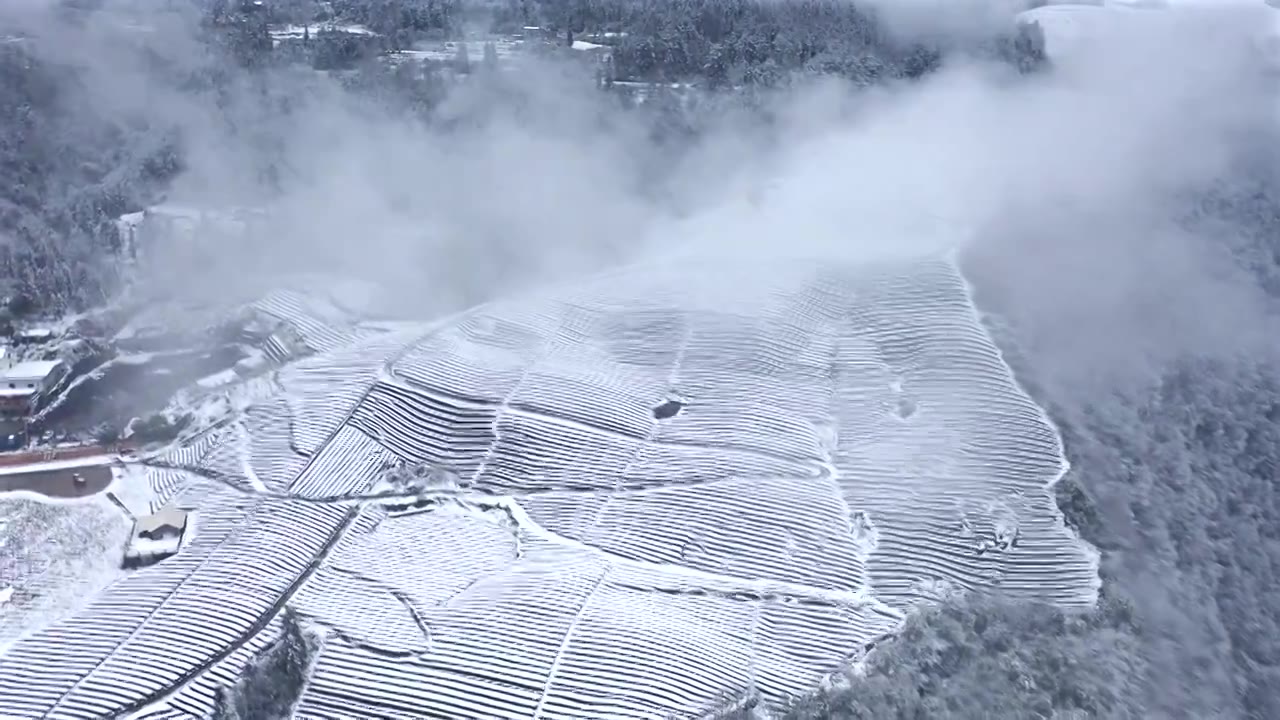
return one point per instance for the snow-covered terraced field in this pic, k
(156, 627)
(671, 484)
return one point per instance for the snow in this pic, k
(447, 51)
(1158, 5)
(176, 211)
(222, 377)
(1076, 29)
(254, 362)
(574, 525)
(141, 358)
(584, 45)
(131, 488)
(59, 464)
(294, 32)
(185, 611)
(141, 548)
(65, 554)
(384, 326)
(441, 54)
(30, 370)
(6, 595)
(210, 407)
(1071, 29)
(647, 85)
(36, 334)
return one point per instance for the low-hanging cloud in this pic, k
(1062, 188)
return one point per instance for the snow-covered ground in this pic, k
(298, 31)
(54, 558)
(581, 524)
(223, 377)
(447, 51)
(146, 550)
(86, 461)
(1077, 30)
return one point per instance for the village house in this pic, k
(155, 536)
(24, 385)
(33, 336)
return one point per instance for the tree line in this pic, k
(716, 43)
(68, 173)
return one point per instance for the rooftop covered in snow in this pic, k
(34, 370)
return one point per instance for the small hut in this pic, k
(155, 536)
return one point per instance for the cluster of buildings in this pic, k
(287, 34)
(447, 54)
(24, 387)
(1074, 28)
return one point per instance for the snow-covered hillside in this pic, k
(1075, 30)
(667, 490)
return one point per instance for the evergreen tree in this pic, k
(273, 680)
(490, 56)
(461, 60)
(224, 705)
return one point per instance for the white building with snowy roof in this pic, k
(24, 384)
